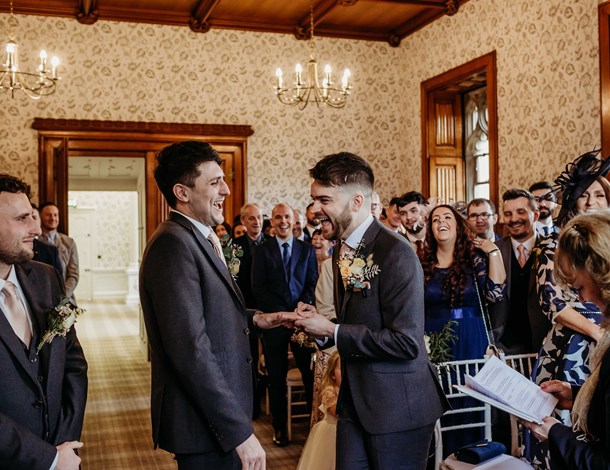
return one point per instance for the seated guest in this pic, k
(43, 252)
(461, 273)
(583, 263)
(322, 247)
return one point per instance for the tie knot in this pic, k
(9, 289)
(285, 244)
(521, 248)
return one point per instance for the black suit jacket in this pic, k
(244, 276)
(271, 288)
(568, 452)
(539, 323)
(42, 397)
(198, 335)
(48, 254)
(385, 372)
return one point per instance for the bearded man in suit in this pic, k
(197, 322)
(389, 398)
(44, 391)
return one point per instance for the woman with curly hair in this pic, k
(453, 258)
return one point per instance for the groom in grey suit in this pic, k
(389, 398)
(43, 392)
(196, 322)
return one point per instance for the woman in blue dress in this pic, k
(453, 260)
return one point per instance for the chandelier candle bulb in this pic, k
(54, 65)
(278, 74)
(345, 80)
(298, 69)
(327, 71)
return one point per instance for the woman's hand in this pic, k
(560, 390)
(541, 431)
(484, 244)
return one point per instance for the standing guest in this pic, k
(44, 252)
(376, 206)
(583, 265)
(518, 322)
(238, 231)
(390, 398)
(68, 254)
(322, 247)
(44, 385)
(412, 211)
(312, 223)
(461, 273)
(482, 218)
(297, 226)
(201, 398)
(392, 216)
(576, 326)
(222, 230)
(547, 202)
(284, 273)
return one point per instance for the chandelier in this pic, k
(33, 84)
(309, 90)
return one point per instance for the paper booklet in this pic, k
(506, 389)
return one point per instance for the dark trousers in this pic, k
(358, 449)
(208, 461)
(275, 344)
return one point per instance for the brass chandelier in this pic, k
(33, 84)
(309, 90)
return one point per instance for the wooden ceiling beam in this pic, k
(199, 20)
(303, 28)
(87, 12)
(423, 3)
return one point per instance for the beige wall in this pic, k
(548, 90)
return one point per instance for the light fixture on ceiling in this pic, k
(309, 90)
(33, 84)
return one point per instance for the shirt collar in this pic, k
(356, 236)
(528, 244)
(204, 229)
(281, 242)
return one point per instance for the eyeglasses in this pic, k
(550, 197)
(482, 215)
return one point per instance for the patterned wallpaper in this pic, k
(111, 241)
(548, 90)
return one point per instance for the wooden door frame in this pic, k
(487, 64)
(604, 75)
(59, 139)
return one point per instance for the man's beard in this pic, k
(416, 228)
(544, 213)
(16, 256)
(341, 223)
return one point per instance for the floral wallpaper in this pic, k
(111, 241)
(548, 90)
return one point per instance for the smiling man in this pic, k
(518, 322)
(389, 398)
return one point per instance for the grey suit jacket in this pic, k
(386, 370)
(200, 353)
(43, 396)
(499, 312)
(68, 256)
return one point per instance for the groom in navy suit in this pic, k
(43, 392)
(389, 398)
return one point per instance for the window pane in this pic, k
(482, 169)
(481, 190)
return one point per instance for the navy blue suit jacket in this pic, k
(271, 288)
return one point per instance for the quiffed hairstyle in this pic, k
(178, 164)
(11, 184)
(584, 243)
(541, 185)
(412, 196)
(516, 193)
(342, 169)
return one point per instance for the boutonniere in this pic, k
(356, 270)
(60, 319)
(232, 252)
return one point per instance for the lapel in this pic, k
(368, 240)
(208, 251)
(276, 254)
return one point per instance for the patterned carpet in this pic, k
(117, 426)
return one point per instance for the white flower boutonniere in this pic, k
(356, 270)
(60, 319)
(232, 252)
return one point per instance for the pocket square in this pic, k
(480, 451)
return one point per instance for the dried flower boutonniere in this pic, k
(60, 318)
(232, 252)
(356, 270)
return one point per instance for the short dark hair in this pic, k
(479, 202)
(541, 185)
(396, 201)
(516, 193)
(178, 164)
(412, 196)
(12, 184)
(341, 169)
(46, 204)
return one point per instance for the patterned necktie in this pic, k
(286, 258)
(522, 259)
(16, 314)
(215, 241)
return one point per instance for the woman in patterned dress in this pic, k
(564, 354)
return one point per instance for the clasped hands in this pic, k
(305, 317)
(563, 392)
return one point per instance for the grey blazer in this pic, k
(198, 334)
(43, 396)
(68, 255)
(386, 371)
